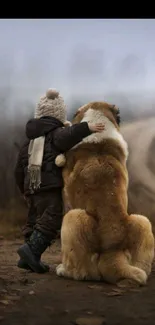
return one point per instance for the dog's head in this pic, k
(102, 109)
(109, 115)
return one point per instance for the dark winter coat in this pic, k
(58, 139)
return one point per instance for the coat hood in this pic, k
(39, 127)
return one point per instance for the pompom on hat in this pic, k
(51, 104)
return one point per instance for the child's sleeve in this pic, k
(68, 137)
(19, 172)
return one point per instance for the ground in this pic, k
(27, 298)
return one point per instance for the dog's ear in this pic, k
(75, 114)
(116, 113)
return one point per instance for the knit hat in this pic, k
(52, 104)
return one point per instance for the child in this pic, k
(38, 177)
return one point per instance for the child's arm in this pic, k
(19, 172)
(68, 137)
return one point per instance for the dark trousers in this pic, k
(45, 213)
(28, 228)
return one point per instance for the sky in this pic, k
(79, 57)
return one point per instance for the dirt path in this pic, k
(27, 298)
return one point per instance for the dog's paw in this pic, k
(60, 270)
(140, 276)
(137, 278)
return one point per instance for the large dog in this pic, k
(100, 241)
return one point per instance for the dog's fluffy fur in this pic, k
(100, 241)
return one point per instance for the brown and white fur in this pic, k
(100, 241)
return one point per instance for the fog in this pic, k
(85, 59)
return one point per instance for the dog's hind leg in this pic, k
(141, 242)
(78, 245)
(115, 266)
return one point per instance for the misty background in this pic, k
(85, 59)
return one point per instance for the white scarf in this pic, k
(35, 154)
